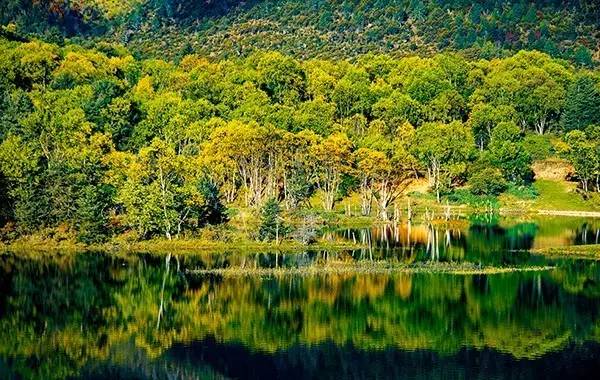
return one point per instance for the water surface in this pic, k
(94, 315)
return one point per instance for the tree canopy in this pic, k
(106, 143)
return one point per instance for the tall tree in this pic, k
(332, 161)
(582, 104)
(508, 153)
(444, 150)
(158, 189)
(583, 154)
(382, 178)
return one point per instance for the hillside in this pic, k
(106, 143)
(318, 28)
(149, 139)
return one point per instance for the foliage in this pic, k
(582, 105)
(487, 181)
(527, 192)
(158, 188)
(323, 28)
(584, 153)
(272, 226)
(92, 213)
(444, 149)
(483, 203)
(103, 143)
(507, 152)
(538, 147)
(212, 211)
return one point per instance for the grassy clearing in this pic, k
(576, 251)
(553, 196)
(370, 268)
(561, 195)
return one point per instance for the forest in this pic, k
(317, 28)
(251, 189)
(100, 143)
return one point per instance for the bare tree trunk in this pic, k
(163, 191)
(366, 198)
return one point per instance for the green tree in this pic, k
(486, 180)
(382, 178)
(91, 217)
(444, 149)
(582, 104)
(6, 209)
(583, 154)
(212, 211)
(281, 77)
(332, 161)
(272, 226)
(508, 153)
(158, 189)
(484, 118)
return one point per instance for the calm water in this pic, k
(96, 316)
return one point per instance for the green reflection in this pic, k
(61, 314)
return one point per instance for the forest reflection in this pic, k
(490, 243)
(74, 315)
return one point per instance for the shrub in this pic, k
(539, 147)
(487, 181)
(522, 191)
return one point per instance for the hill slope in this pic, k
(320, 28)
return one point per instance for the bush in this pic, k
(522, 191)
(539, 147)
(487, 181)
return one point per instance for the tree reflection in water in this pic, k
(96, 315)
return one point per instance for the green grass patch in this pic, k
(370, 267)
(550, 195)
(561, 195)
(577, 251)
(465, 197)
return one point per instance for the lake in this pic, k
(95, 315)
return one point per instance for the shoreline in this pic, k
(585, 214)
(198, 245)
(189, 246)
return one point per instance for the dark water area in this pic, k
(103, 316)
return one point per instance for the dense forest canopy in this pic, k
(318, 28)
(101, 142)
